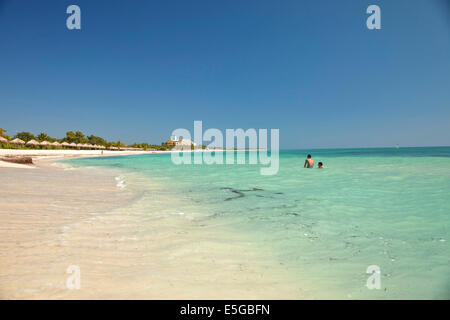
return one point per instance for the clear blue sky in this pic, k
(139, 69)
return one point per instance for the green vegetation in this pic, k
(44, 137)
(77, 137)
(73, 137)
(147, 146)
(97, 140)
(3, 134)
(25, 136)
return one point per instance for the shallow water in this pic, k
(40, 209)
(128, 240)
(316, 231)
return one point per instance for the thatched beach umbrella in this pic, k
(56, 144)
(3, 139)
(80, 145)
(17, 141)
(32, 142)
(65, 144)
(73, 144)
(45, 143)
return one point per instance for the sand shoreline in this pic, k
(47, 156)
(38, 208)
(50, 155)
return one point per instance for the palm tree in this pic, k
(3, 134)
(45, 137)
(25, 136)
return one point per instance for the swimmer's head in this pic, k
(320, 164)
(308, 156)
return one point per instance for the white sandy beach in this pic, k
(48, 155)
(64, 153)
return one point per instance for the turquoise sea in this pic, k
(387, 207)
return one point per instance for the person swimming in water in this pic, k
(309, 163)
(320, 165)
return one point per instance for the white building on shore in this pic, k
(175, 141)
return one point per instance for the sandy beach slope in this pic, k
(49, 155)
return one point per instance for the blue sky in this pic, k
(139, 69)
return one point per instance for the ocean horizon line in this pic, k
(349, 148)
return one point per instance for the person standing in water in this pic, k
(309, 163)
(320, 165)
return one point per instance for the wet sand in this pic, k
(37, 208)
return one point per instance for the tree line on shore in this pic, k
(75, 137)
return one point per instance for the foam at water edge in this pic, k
(120, 182)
